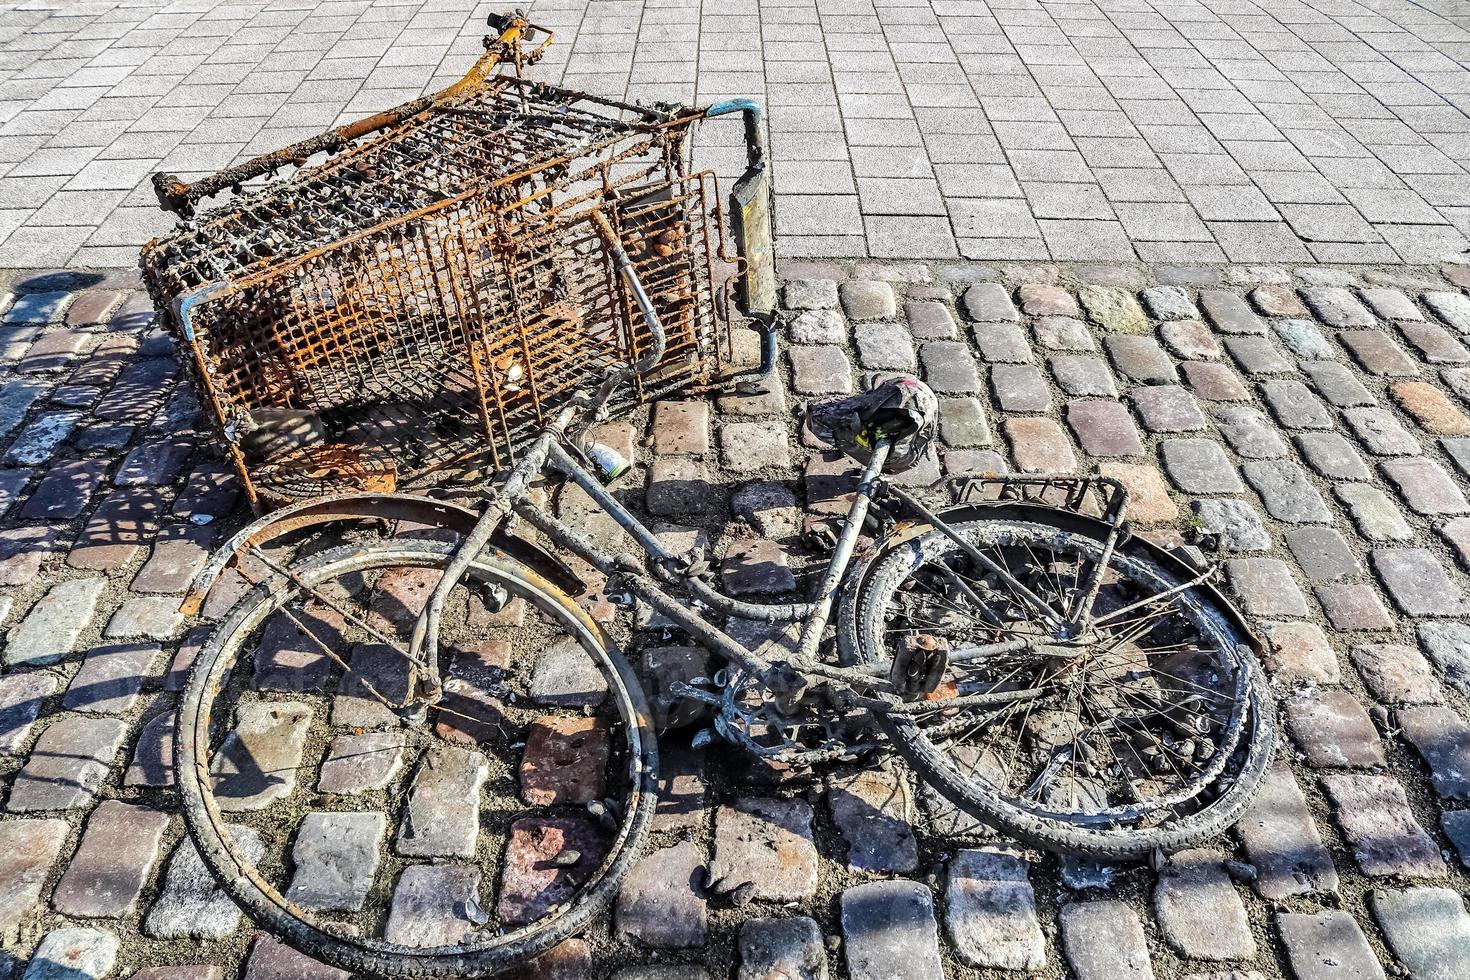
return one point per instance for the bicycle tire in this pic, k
(272, 912)
(858, 631)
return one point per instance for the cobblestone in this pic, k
(107, 874)
(1378, 354)
(1417, 582)
(1443, 739)
(73, 953)
(1233, 522)
(1376, 516)
(441, 819)
(70, 759)
(1249, 433)
(1104, 941)
(1083, 376)
(788, 948)
(1002, 343)
(872, 812)
(1282, 842)
(1333, 730)
(1064, 333)
(28, 849)
(660, 903)
(990, 911)
(866, 300)
(1430, 407)
(1192, 340)
(818, 327)
(336, 858)
(767, 842)
(1326, 946)
(1199, 466)
(1103, 428)
(1198, 910)
(1141, 358)
(1448, 646)
(1298, 653)
(1265, 587)
(257, 762)
(889, 931)
(1332, 456)
(1287, 493)
(431, 905)
(192, 904)
(1385, 838)
(1427, 929)
(1020, 388)
(1169, 303)
(989, 302)
(1230, 313)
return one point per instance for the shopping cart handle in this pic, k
(755, 141)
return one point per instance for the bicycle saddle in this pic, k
(901, 410)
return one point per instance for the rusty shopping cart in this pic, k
(413, 308)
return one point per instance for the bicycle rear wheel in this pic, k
(336, 827)
(1150, 731)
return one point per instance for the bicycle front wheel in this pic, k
(459, 845)
(1150, 729)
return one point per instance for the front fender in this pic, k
(371, 506)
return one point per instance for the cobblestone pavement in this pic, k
(1315, 421)
(1221, 130)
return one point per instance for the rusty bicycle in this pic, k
(414, 742)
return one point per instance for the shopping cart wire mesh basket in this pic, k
(415, 306)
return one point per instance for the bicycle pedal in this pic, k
(919, 666)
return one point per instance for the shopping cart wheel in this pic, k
(454, 847)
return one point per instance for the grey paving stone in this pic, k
(867, 300)
(1337, 383)
(1456, 826)
(1326, 946)
(73, 953)
(790, 947)
(1192, 339)
(1425, 485)
(192, 905)
(767, 842)
(990, 911)
(1104, 941)
(1443, 739)
(1020, 388)
(750, 447)
(1427, 929)
(930, 320)
(270, 959)
(21, 696)
(257, 762)
(989, 302)
(889, 931)
(28, 851)
(38, 307)
(1322, 553)
(660, 903)
(1333, 729)
(1002, 343)
(1198, 910)
(962, 422)
(106, 875)
(1282, 841)
(1332, 456)
(1304, 339)
(67, 765)
(335, 857)
(1234, 523)
(810, 294)
(1376, 516)
(949, 368)
(1141, 358)
(1380, 433)
(360, 763)
(1295, 407)
(1167, 408)
(1384, 836)
(1265, 587)
(1040, 299)
(1230, 313)
(820, 371)
(1448, 646)
(678, 487)
(1418, 582)
(1199, 466)
(1064, 333)
(1258, 356)
(1250, 433)
(431, 905)
(1169, 303)
(871, 811)
(1081, 375)
(1287, 492)
(51, 628)
(441, 819)
(1452, 308)
(819, 327)
(565, 676)
(1391, 304)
